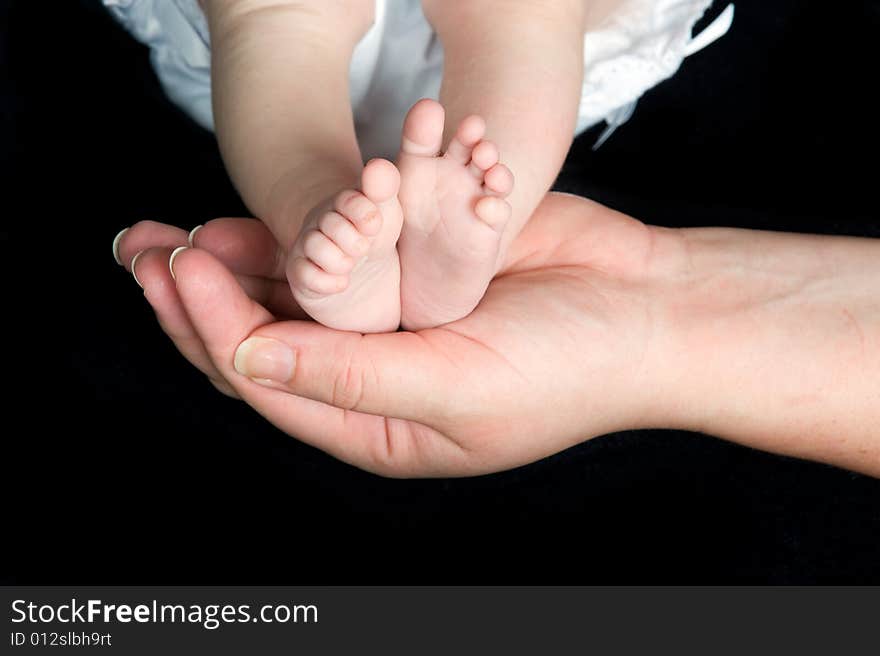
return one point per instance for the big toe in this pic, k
(380, 180)
(423, 129)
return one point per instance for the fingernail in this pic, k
(133, 271)
(174, 254)
(192, 235)
(260, 357)
(116, 245)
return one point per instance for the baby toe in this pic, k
(498, 180)
(380, 181)
(360, 210)
(493, 211)
(484, 156)
(306, 276)
(343, 233)
(321, 250)
(468, 135)
(423, 129)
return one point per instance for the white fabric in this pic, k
(400, 60)
(636, 48)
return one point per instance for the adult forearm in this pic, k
(520, 66)
(776, 342)
(281, 103)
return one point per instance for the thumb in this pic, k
(392, 374)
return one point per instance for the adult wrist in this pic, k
(774, 342)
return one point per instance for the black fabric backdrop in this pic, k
(123, 465)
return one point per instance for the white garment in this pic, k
(400, 60)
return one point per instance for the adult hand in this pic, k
(555, 352)
(596, 323)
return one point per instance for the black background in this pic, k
(123, 465)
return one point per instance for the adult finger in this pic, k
(143, 235)
(249, 250)
(223, 315)
(395, 374)
(399, 374)
(245, 246)
(150, 269)
(274, 295)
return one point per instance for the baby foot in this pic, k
(454, 215)
(343, 269)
